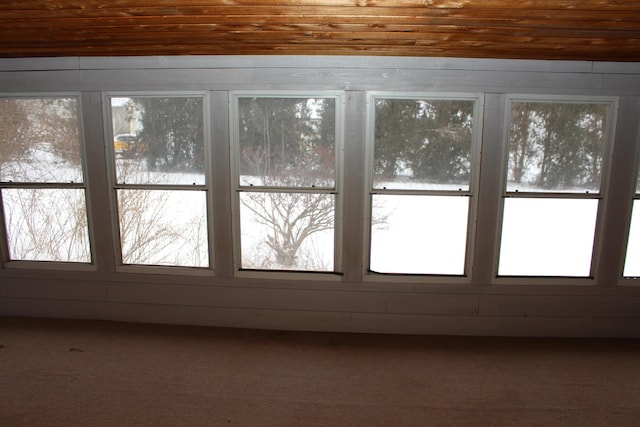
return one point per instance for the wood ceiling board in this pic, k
(596, 30)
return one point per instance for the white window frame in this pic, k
(234, 140)
(601, 195)
(114, 186)
(471, 193)
(6, 261)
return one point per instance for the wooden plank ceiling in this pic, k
(598, 30)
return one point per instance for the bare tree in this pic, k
(155, 225)
(289, 220)
(40, 144)
(47, 224)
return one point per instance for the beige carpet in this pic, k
(92, 373)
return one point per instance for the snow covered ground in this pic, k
(419, 234)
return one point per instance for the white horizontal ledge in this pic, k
(302, 61)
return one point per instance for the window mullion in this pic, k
(484, 263)
(4, 247)
(220, 203)
(97, 182)
(617, 207)
(353, 181)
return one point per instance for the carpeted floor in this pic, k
(94, 373)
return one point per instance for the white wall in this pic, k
(604, 305)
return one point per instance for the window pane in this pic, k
(419, 234)
(632, 261)
(287, 231)
(556, 146)
(423, 144)
(159, 227)
(547, 237)
(40, 141)
(158, 140)
(287, 142)
(46, 224)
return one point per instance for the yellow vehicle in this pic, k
(125, 145)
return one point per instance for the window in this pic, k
(632, 259)
(555, 164)
(286, 150)
(159, 172)
(42, 186)
(423, 159)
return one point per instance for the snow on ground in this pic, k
(421, 234)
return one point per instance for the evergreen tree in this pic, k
(172, 136)
(427, 141)
(557, 146)
(287, 139)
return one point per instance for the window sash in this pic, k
(417, 182)
(552, 244)
(163, 227)
(75, 176)
(139, 172)
(631, 268)
(74, 181)
(607, 137)
(198, 185)
(594, 197)
(468, 192)
(288, 231)
(244, 189)
(46, 224)
(237, 96)
(425, 240)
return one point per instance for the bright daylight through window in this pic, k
(632, 260)
(159, 174)
(286, 168)
(423, 176)
(42, 180)
(554, 177)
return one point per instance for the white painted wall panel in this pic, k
(561, 306)
(56, 289)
